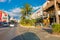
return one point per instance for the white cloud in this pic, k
(10, 13)
(34, 8)
(17, 11)
(14, 12)
(3, 0)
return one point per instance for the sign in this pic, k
(0, 15)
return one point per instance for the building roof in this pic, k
(58, 1)
(51, 3)
(37, 13)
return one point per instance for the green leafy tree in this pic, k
(26, 11)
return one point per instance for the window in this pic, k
(5, 17)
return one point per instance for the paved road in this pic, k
(20, 33)
(7, 34)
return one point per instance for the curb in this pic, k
(30, 27)
(27, 26)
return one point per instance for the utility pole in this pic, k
(56, 11)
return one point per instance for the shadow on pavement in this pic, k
(48, 30)
(27, 36)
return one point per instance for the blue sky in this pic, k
(15, 5)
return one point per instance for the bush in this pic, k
(56, 28)
(27, 22)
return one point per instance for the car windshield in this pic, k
(5, 23)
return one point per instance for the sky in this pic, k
(13, 7)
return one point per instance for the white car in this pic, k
(12, 25)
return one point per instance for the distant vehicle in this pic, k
(1, 24)
(12, 24)
(5, 24)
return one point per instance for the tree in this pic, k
(26, 11)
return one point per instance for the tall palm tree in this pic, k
(23, 13)
(26, 10)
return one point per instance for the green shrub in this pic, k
(28, 22)
(56, 28)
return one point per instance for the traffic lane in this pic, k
(7, 34)
(3, 31)
(25, 34)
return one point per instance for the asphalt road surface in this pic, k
(20, 33)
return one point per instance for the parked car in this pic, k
(1, 25)
(5, 24)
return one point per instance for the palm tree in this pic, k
(23, 13)
(26, 10)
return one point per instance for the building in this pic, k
(50, 8)
(37, 13)
(4, 17)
